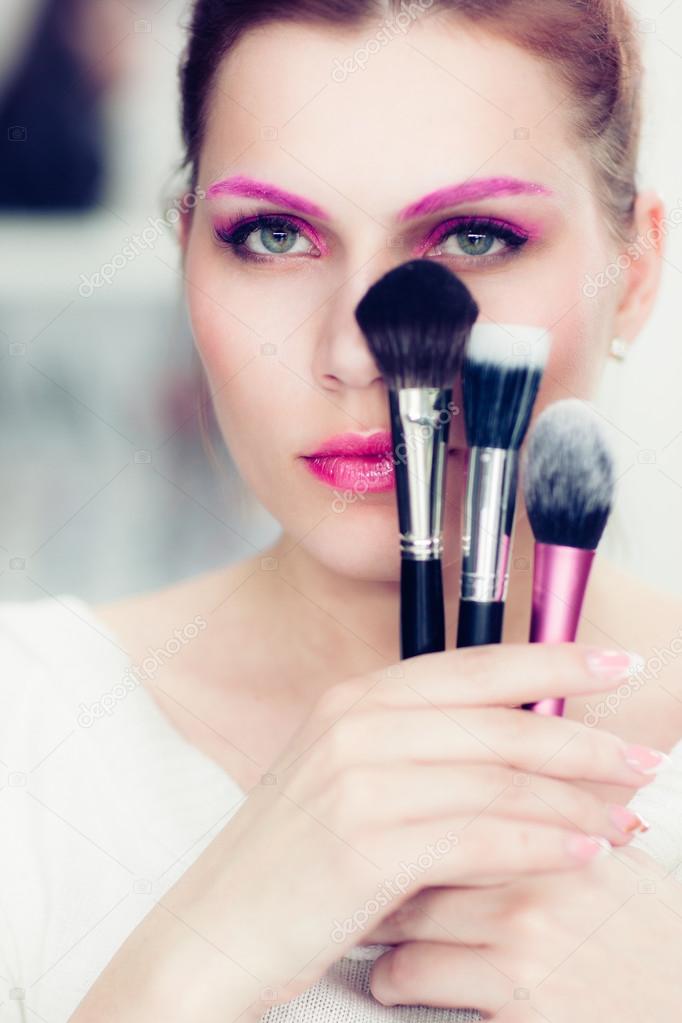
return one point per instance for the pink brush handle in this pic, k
(560, 577)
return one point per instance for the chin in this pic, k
(358, 538)
(360, 542)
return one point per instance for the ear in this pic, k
(643, 274)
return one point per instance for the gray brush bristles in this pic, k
(569, 477)
(417, 319)
(503, 369)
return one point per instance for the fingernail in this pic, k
(626, 821)
(588, 847)
(645, 760)
(613, 665)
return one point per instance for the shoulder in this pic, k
(48, 650)
(180, 621)
(25, 626)
(98, 815)
(51, 773)
(52, 656)
(48, 638)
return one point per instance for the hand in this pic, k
(418, 769)
(599, 944)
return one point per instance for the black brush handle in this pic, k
(422, 615)
(479, 624)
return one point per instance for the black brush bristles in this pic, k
(502, 372)
(568, 479)
(417, 319)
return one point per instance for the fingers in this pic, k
(515, 739)
(462, 916)
(408, 793)
(465, 852)
(440, 975)
(508, 674)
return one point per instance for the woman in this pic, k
(372, 785)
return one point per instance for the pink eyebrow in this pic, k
(253, 189)
(478, 189)
(450, 195)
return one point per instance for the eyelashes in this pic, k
(474, 233)
(275, 228)
(281, 237)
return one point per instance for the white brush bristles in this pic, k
(509, 345)
(569, 476)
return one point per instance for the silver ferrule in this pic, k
(420, 421)
(488, 523)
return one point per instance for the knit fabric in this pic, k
(104, 805)
(343, 996)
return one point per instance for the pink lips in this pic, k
(350, 461)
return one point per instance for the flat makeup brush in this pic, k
(501, 376)
(417, 319)
(568, 484)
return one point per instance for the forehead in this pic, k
(381, 119)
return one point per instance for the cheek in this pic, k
(239, 312)
(253, 406)
(250, 396)
(225, 344)
(229, 327)
(581, 320)
(577, 357)
(552, 291)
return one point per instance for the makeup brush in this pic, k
(502, 372)
(417, 319)
(568, 484)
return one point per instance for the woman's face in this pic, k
(362, 129)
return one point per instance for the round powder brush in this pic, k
(417, 319)
(568, 486)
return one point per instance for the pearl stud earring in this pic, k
(618, 349)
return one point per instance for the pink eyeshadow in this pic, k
(532, 233)
(228, 225)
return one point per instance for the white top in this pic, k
(99, 816)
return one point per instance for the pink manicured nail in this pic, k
(645, 760)
(613, 665)
(626, 821)
(587, 847)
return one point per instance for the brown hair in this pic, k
(591, 45)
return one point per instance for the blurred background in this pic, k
(107, 488)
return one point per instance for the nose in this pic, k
(342, 358)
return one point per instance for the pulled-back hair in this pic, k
(591, 46)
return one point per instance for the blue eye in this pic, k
(475, 243)
(264, 236)
(477, 237)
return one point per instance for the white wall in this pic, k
(641, 398)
